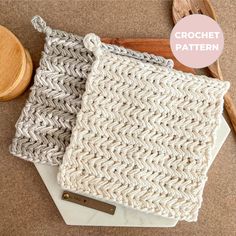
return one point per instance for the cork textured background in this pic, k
(26, 207)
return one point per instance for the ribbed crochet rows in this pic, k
(143, 136)
(44, 127)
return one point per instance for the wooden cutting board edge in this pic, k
(154, 46)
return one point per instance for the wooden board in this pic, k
(15, 66)
(155, 46)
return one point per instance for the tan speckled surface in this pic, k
(25, 205)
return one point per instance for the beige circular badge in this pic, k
(197, 41)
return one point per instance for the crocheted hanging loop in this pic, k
(93, 43)
(40, 25)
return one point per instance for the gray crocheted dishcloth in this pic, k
(44, 128)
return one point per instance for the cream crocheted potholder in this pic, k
(144, 135)
(44, 127)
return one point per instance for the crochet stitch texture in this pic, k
(144, 135)
(44, 127)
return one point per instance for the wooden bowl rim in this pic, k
(23, 66)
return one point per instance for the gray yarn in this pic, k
(44, 127)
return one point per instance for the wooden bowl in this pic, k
(15, 66)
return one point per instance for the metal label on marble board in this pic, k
(89, 202)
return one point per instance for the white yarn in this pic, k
(144, 135)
